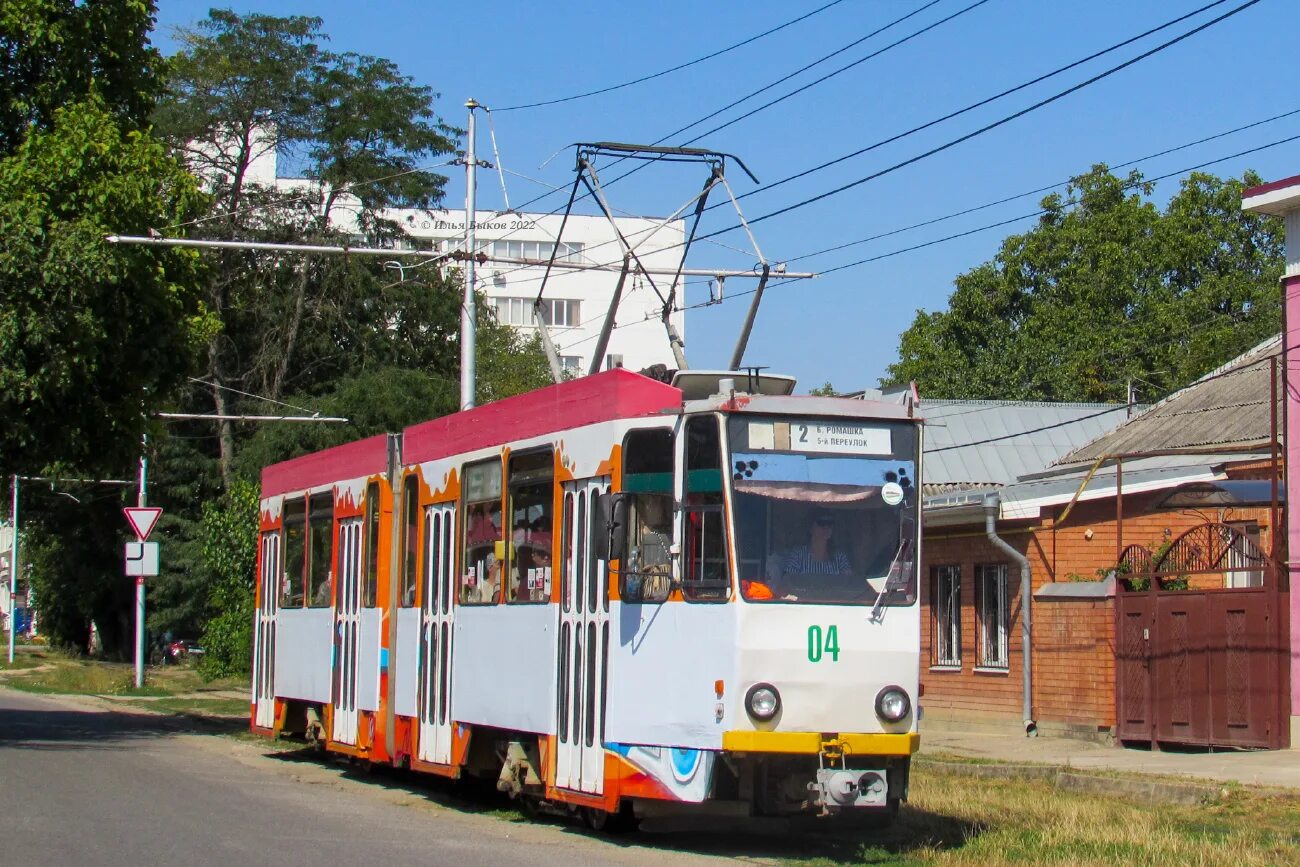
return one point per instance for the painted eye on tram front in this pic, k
(762, 701)
(892, 704)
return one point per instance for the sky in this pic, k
(842, 327)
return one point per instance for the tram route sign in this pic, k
(141, 559)
(142, 519)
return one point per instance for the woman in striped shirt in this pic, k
(820, 556)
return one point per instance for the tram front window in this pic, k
(825, 512)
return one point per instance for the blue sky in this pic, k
(843, 327)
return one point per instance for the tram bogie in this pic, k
(613, 597)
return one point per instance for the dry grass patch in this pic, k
(958, 819)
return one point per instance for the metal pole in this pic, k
(467, 372)
(141, 500)
(13, 572)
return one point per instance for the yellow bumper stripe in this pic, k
(811, 743)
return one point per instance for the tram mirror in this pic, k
(613, 512)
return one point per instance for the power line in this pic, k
(988, 127)
(995, 124)
(677, 68)
(997, 96)
(783, 79)
(1051, 187)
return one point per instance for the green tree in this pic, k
(243, 89)
(1107, 288)
(57, 52)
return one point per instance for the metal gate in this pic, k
(436, 632)
(264, 636)
(583, 645)
(1201, 667)
(347, 627)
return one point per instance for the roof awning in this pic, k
(1226, 492)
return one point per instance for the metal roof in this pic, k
(981, 443)
(1227, 408)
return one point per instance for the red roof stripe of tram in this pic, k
(606, 396)
(338, 464)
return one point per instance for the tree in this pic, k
(244, 89)
(91, 336)
(57, 52)
(1105, 290)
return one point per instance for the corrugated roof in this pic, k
(1227, 408)
(973, 443)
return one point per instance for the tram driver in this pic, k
(818, 555)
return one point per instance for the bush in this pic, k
(229, 545)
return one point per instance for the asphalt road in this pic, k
(85, 785)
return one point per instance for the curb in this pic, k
(1145, 790)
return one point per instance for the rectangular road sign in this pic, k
(142, 519)
(141, 559)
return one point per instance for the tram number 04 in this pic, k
(822, 644)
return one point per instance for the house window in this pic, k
(992, 614)
(539, 251)
(613, 360)
(946, 616)
(571, 363)
(556, 312)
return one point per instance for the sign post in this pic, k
(142, 520)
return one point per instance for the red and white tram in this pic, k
(613, 595)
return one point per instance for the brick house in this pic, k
(1063, 520)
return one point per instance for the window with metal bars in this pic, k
(946, 616)
(992, 615)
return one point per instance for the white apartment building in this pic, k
(575, 302)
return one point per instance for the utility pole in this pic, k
(467, 335)
(141, 500)
(13, 573)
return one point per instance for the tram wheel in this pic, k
(622, 821)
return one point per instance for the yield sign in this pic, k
(142, 519)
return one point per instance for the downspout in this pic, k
(991, 507)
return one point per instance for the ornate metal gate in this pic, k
(1200, 666)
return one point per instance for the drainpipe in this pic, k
(991, 508)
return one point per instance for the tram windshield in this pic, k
(825, 510)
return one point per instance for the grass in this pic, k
(48, 671)
(198, 706)
(957, 819)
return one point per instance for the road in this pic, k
(85, 785)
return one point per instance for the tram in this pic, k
(614, 596)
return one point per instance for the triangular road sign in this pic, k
(142, 519)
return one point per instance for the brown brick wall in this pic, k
(1074, 680)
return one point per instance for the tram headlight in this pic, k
(892, 704)
(762, 701)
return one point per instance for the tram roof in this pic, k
(613, 394)
(352, 460)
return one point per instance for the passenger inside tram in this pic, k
(649, 561)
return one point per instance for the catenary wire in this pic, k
(676, 68)
(995, 124)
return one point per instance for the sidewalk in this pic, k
(1275, 768)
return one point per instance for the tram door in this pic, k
(583, 644)
(347, 625)
(264, 656)
(436, 635)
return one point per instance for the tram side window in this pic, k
(531, 486)
(646, 574)
(480, 579)
(370, 584)
(320, 536)
(705, 576)
(410, 539)
(295, 554)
